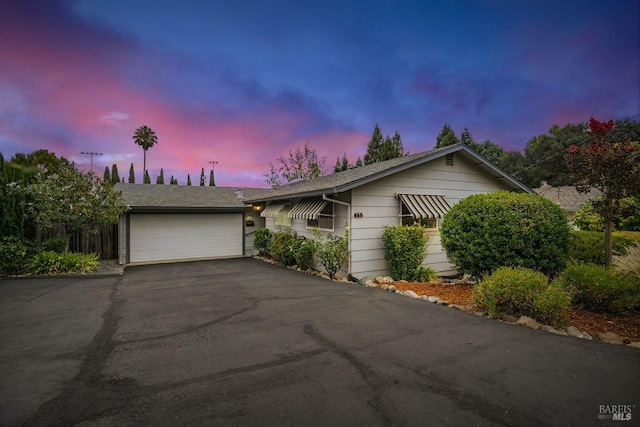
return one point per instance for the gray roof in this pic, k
(164, 197)
(346, 180)
(567, 197)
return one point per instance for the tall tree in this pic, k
(466, 138)
(188, 180)
(78, 201)
(202, 178)
(160, 178)
(391, 148)
(299, 164)
(374, 146)
(212, 180)
(106, 176)
(173, 181)
(447, 137)
(341, 165)
(146, 138)
(42, 159)
(610, 165)
(115, 177)
(359, 162)
(132, 175)
(14, 218)
(147, 178)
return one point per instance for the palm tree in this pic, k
(146, 138)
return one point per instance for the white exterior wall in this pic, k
(341, 218)
(379, 207)
(250, 232)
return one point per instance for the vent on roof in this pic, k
(448, 160)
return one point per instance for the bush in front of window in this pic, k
(405, 249)
(332, 251)
(487, 231)
(281, 246)
(303, 251)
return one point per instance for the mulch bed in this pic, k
(626, 325)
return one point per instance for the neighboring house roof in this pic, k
(567, 197)
(352, 178)
(185, 197)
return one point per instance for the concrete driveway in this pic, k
(240, 342)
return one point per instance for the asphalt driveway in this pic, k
(240, 342)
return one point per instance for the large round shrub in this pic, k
(405, 248)
(281, 246)
(487, 231)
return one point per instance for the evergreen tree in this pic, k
(188, 179)
(160, 179)
(374, 146)
(447, 137)
(359, 162)
(391, 148)
(107, 175)
(115, 177)
(173, 181)
(342, 165)
(146, 179)
(466, 138)
(132, 175)
(202, 178)
(212, 181)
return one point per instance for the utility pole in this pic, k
(91, 153)
(212, 181)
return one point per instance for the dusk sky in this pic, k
(243, 82)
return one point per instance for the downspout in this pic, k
(348, 205)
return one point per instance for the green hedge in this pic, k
(49, 262)
(261, 240)
(487, 231)
(588, 246)
(597, 288)
(281, 246)
(405, 249)
(521, 291)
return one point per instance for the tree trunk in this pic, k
(144, 165)
(608, 232)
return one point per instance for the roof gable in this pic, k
(344, 181)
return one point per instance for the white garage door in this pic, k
(166, 237)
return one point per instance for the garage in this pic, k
(165, 237)
(166, 223)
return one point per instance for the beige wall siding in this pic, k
(379, 207)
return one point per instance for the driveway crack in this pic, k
(89, 394)
(367, 374)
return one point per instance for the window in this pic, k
(409, 219)
(324, 220)
(282, 218)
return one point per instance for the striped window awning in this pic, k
(272, 210)
(422, 206)
(308, 208)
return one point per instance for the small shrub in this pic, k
(14, 255)
(629, 262)
(405, 249)
(303, 251)
(587, 219)
(484, 232)
(281, 247)
(261, 240)
(425, 274)
(521, 291)
(332, 251)
(57, 244)
(588, 246)
(49, 262)
(597, 288)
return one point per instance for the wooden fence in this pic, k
(104, 243)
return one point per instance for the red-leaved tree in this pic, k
(613, 167)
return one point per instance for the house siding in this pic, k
(250, 232)
(341, 219)
(122, 239)
(379, 207)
